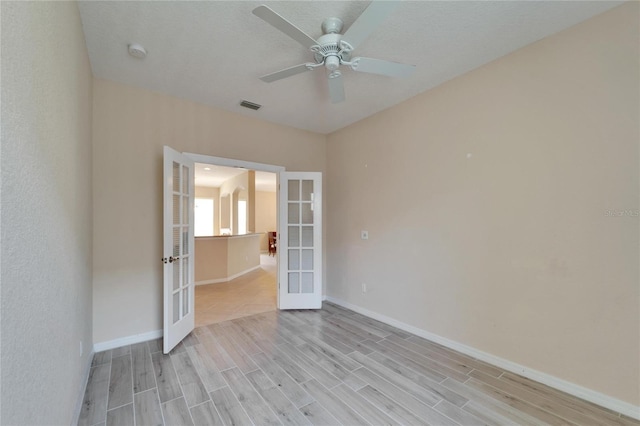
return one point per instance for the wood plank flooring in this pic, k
(325, 367)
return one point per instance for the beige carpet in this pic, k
(249, 294)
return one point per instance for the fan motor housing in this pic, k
(329, 45)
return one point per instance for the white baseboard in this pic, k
(224, 280)
(83, 389)
(124, 341)
(547, 379)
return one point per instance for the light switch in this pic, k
(364, 235)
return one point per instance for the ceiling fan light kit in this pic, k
(333, 49)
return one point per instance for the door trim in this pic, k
(230, 162)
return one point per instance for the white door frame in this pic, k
(230, 162)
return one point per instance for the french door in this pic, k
(178, 247)
(300, 241)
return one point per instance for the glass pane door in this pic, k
(301, 230)
(178, 244)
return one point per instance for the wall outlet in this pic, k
(364, 287)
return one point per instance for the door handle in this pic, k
(171, 259)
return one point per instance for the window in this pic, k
(242, 217)
(203, 217)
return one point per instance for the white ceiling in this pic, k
(213, 176)
(214, 51)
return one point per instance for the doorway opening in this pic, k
(298, 228)
(235, 275)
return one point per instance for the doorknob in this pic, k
(171, 259)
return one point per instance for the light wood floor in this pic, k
(324, 367)
(252, 293)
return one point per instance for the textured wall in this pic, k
(46, 212)
(492, 207)
(129, 129)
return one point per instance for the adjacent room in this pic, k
(235, 252)
(428, 212)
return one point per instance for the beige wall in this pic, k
(206, 192)
(219, 259)
(244, 254)
(266, 210)
(211, 258)
(510, 250)
(130, 127)
(46, 212)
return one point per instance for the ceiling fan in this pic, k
(334, 49)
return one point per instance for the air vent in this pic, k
(250, 105)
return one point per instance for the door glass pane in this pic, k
(307, 282)
(307, 213)
(185, 179)
(307, 190)
(294, 282)
(176, 177)
(185, 302)
(185, 210)
(294, 190)
(294, 213)
(176, 209)
(307, 260)
(185, 271)
(185, 240)
(294, 260)
(294, 236)
(176, 242)
(307, 236)
(176, 274)
(176, 307)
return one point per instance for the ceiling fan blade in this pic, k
(372, 16)
(336, 87)
(287, 72)
(380, 66)
(271, 17)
